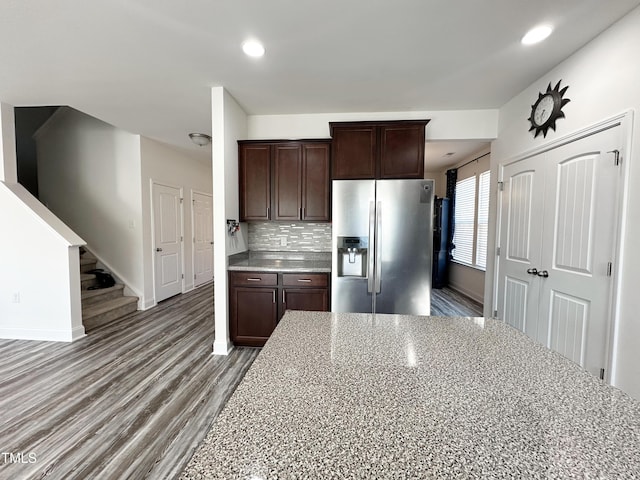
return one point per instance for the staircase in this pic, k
(102, 305)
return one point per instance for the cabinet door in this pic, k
(402, 151)
(310, 299)
(315, 182)
(255, 182)
(253, 315)
(353, 152)
(287, 204)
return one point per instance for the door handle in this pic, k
(532, 271)
(372, 245)
(543, 274)
(378, 243)
(158, 249)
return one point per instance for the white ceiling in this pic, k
(147, 65)
(442, 155)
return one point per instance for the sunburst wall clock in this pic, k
(548, 109)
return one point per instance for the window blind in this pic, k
(464, 220)
(484, 182)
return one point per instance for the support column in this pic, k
(229, 124)
(8, 161)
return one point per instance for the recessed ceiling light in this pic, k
(253, 48)
(536, 34)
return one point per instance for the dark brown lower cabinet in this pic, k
(305, 291)
(310, 299)
(257, 300)
(254, 314)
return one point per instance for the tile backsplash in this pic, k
(298, 236)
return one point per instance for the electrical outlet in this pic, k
(283, 241)
(16, 297)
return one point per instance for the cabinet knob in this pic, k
(158, 249)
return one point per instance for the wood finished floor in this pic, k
(447, 302)
(131, 400)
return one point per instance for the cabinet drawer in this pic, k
(254, 278)
(305, 279)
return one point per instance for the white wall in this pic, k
(168, 165)
(440, 179)
(40, 280)
(229, 124)
(443, 125)
(90, 177)
(603, 79)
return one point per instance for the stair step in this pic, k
(87, 263)
(87, 280)
(101, 313)
(91, 297)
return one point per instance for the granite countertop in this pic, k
(281, 262)
(391, 396)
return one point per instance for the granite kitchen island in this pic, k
(392, 396)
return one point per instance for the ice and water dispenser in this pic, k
(352, 256)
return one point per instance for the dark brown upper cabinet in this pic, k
(370, 150)
(298, 180)
(316, 182)
(287, 198)
(255, 181)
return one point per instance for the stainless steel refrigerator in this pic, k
(382, 246)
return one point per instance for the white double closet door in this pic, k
(558, 222)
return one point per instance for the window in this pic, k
(471, 217)
(464, 220)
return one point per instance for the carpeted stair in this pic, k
(102, 305)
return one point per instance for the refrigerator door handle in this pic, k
(372, 245)
(378, 249)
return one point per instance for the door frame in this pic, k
(624, 121)
(193, 236)
(153, 183)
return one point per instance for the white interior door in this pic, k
(520, 241)
(557, 239)
(202, 213)
(579, 244)
(167, 221)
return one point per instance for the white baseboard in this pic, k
(222, 348)
(146, 305)
(468, 293)
(42, 335)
